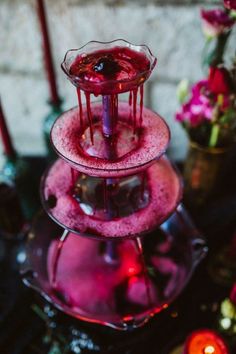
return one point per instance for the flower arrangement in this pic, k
(230, 4)
(208, 110)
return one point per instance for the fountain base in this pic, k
(144, 278)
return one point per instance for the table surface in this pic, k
(23, 331)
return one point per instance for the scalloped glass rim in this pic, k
(96, 45)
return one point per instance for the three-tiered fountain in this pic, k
(110, 191)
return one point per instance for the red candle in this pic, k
(47, 53)
(205, 341)
(233, 294)
(5, 135)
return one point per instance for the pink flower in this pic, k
(216, 22)
(230, 4)
(201, 87)
(197, 109)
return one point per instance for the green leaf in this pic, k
(214, 135)
(183, 91)
(233, 14)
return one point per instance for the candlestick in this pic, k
(205, 341)
(17, 172)
(47, 53)
(55, 100)
(5, 135)
(56, 110)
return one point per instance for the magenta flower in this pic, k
(197, 109)
(230, 4)
(201, 87)
(215, 22)
(199, 106)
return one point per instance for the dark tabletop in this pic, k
(29, 326)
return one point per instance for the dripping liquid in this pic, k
(144, 271)
(141, 105)
(134, 108)
(57, 256)
(80, 108)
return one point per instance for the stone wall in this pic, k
(172, 29)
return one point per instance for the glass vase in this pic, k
(203, 172)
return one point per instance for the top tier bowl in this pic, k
(105, 68)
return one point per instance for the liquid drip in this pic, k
(130, 98)
(134, 107)
(144, 270)
(141, 105)
(89, 114)
(58, 250)
(130, 104)
(80, 108)
(114, 111)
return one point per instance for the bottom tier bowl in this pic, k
(120, 284)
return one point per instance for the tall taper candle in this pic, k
(55, 99)
(5, 135)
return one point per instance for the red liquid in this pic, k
(120, 64)
(130, 104)
(89, 114)
(141, 105)
(144, 271)
(88, 286)
(164, 189)
(133, 152)
(134, 107)
(5, 135)
(58, 251)
(110, 112)
(80, 109)
(109, 71)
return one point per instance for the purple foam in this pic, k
(153, 142)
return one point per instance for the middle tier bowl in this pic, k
(139, 203)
